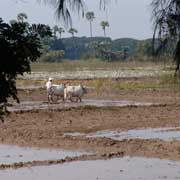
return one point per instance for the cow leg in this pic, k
(48, 98)
(63, 98)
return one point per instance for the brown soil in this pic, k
(46, 128)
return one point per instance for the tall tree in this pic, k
(64, 7)
(166, 16)
(104, 25)
(60, 31)
(72, 31)
(19, 46)
(55, 30)
(90, 17)
(21, 17)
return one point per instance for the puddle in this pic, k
(121, 168)
(15, 154)
(109, 103)
(31, 105)
(166, 134)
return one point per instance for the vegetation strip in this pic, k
(61, 161)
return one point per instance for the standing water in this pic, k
(14, 154)
(115, 169)
(167, 134)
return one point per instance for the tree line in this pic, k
(101, 48)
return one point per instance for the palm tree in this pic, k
(60, 31)
(74, 49)
(64, 8)
(21, 17)
(72, 31)
(41, 30)
(166, 16)
(90, 17)
(55, 30)
(104, 24)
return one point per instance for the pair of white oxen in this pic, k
(67, 92)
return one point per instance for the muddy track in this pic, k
(39, 105)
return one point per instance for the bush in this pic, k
(20, 44)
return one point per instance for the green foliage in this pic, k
(90, 17)
(104, 25)
(20, 45)
(56, 30)
(56, 44)
(52, 56)
(64, 8)
(72, 31)
(21, 17)
(119, 49)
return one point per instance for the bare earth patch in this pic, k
(46, 128)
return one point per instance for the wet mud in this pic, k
(166, 134)
(143, 124)
(37, 105)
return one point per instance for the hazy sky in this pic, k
(127, 18)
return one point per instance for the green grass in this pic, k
(171, 81)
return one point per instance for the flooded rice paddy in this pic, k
(113, 169)
(167, 134)
(126, 168)
(14, 154)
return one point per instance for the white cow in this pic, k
(71, 92)
(57, 92)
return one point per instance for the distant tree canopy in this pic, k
(52, 56)
(20, 44)
(95, 47)
(166, 15)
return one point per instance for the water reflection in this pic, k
(121, 168)
(14, 154)
(166, 134)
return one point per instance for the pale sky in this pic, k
(127, 18)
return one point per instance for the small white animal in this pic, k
(71, 92)
(57, 92)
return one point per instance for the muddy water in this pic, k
(166, 134)
(14, 154)
(121, 168)
(30, 105)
